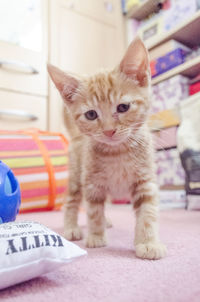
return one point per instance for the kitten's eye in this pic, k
(123, 108)
(91, 115)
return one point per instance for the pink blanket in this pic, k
(114, 273)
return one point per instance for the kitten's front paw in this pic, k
(95, 241)
(73, 234)
(150, 251)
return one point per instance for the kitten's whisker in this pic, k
(139, 123)
(137, 140)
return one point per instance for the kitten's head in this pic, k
(109, 106)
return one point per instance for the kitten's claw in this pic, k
(73, 234)
(95, 241)
(150, 251)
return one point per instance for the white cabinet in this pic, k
(23, 46)
(23, 56)
(22, 70)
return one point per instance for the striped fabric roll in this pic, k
(39, 161)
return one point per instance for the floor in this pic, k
(114, 273)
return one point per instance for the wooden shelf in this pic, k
(190, 69)
(188, 32)
(143, 10)
(170, 117)
(164, 119)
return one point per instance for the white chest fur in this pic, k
(119, 175)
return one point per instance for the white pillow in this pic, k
(29, 249)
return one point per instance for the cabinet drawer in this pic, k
(22, 70)
(102, 10)
(18, 111)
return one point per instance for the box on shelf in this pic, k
(164, 119)
(165, 138)
(168, 94)
(169, 168)
(166, 47)
(153, 68)
(194, 85)
(151, 28)
(179, 11)
(168, 61)
(194, 88)
(172, 199)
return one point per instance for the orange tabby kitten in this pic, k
(111, 150)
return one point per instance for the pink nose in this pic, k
(109, 133)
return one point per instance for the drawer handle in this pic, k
(18, 114)
(18, 66)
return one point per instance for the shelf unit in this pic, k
(188, 33)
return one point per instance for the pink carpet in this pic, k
(114, 273)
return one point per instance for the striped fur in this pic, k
(121, 166)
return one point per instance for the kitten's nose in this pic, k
(109, 133)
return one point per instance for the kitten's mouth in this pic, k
(114, 140)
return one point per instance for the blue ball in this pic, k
(10, 197)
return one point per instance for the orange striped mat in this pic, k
(39, 161)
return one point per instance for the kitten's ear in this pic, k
(66, 84)
(135, 64)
